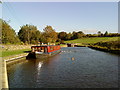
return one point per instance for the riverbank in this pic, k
(101, 48)
(110, 46)
(105, 49)
(6, 62)
(92, 40)
(107, 44)
(10, 54)
(9, 50)
(13, 52)
(4, 76)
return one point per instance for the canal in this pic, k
(74, 67)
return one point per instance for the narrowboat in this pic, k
(43, 51)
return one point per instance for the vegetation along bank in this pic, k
(107, 44)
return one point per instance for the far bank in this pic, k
(107, 44)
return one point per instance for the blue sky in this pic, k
(88, 17)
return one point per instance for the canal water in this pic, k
(74, 67)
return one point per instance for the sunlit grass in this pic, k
(92, 40)
(13, 52)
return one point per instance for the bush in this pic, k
(109, 44)
(33, 42)
(62, 42)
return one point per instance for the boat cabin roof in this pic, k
(45, 45)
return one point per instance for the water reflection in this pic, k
(73, 67)
(39, 67)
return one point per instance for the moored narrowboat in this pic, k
(43, 51)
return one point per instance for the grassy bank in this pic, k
(107, 44)
(105, 49)
(92, 40)
(10, 50)
(13, 52)
(111, 45)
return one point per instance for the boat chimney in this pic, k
(48, 43)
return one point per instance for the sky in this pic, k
(89, 17)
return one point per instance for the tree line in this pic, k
(29, 34)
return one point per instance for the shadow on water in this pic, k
(114, 52)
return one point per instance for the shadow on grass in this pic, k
(27, 51)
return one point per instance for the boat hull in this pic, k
(33, 55)
(46, 55)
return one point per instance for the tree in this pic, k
(62, 35)
(49, 35)
(106, 34)
(74, 35)
(77, 35)
(68, 36)
(29, 34)
(8, 34)
(99, 33)
(80, 34)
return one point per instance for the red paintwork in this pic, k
(49, 48)
(55, 48)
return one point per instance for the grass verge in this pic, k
(92, 40)
(107, 44)
(13, 52)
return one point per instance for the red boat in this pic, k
(43, 51)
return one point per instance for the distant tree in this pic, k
(95, 35)
(80, 34)
(114, 34)
(36, 36)
(68, 36)
(74, 35)
(49, 35)
(62, 35)
(106, 34)
(99, 33)
(29, 34)
(102, 34)
(8, 34)
(88, 35)
(91, 35)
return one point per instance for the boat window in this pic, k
(51, 47)
(42, 50)
(33, 49)
(45, 49)
(39, 49)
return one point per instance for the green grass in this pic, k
(92, 40)
(13, 52)
(61, 44)
(110, 44)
